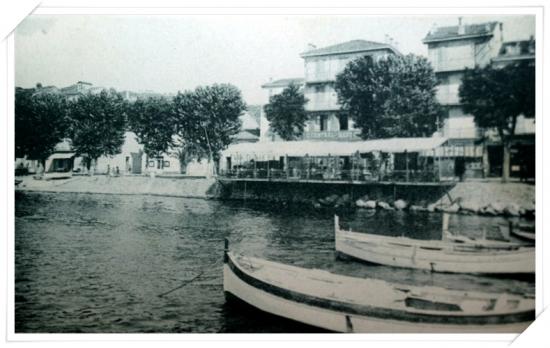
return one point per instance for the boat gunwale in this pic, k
(449, 318)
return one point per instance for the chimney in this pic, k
(433, 28)
(461, 28)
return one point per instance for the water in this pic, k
(101, 263)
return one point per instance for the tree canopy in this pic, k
(496, 97)
(391, 97)
(40, 123)
(98, 124)
(153, 122)
(286, 113)
(208, 117)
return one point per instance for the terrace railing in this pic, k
(332, 175)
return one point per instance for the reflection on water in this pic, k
(101, 263)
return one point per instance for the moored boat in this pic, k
(347, 304)
(466, 256)
(525, 235)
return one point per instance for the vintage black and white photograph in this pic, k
(274, 173)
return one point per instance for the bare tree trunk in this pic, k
(506, 161)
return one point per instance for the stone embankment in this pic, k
(484, 198)
(176, 187)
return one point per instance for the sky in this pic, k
(168, 54)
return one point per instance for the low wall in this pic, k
(300, 192)
(177, 187)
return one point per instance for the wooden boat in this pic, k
(437, 255)
(529, 236)
(347, 304)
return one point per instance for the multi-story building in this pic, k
(321, 66)
(274, 88)
(451, 50)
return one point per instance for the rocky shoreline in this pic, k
(482, 198)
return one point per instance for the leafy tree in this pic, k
(286, 113)
(496, 97)
(98, 124)
(186, 152)
(40, 123)
(391, 97)
(208, 117)
(153, 122)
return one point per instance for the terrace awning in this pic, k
(277, 149)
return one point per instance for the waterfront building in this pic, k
(321, 66)
(274, 88)
(523, 145)
(452, 50)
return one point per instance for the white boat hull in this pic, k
(417, 257)
(342, 322)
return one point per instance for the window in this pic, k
(343, 119)
(323, 123)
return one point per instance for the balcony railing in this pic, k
(354, 175)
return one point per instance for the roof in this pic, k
(451, 33)
(248, 122)
(516, 50)
(277, 149)
(61, 155)
(284, 82)
(245, 136)
(348, 47)
(63, 146)
(255, 111)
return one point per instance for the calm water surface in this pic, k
(105, 263)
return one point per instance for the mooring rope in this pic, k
(189, 281)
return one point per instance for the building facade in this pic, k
(321, 66)
(452, 50)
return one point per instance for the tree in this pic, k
(391, 97)
(286, 113)
(496, 97)
(98, 124)
(208, 117)
(153, 122)
(40, 123)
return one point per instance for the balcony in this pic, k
(322, 101)
(343, 135)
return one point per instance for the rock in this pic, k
(370, 204)
(528, 209)
(489, 210)
(331, 199)
(360, 203)
(400, 204)
(512, 209)
(417, 208)
(470, 207)
(454, 208)
(497, 207)
(345, 198)
(385, 206)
